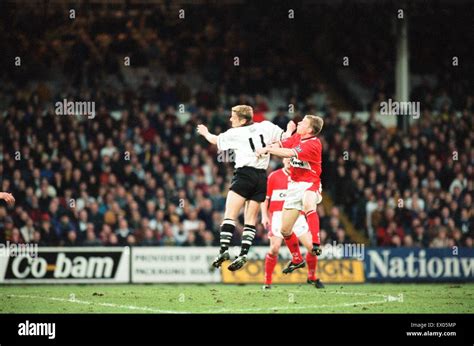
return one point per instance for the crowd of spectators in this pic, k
(209, 55)
(404, 189)
(137, 173)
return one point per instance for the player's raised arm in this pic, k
(277, 134)
(290, 128)
(203, 131)
(280, 152)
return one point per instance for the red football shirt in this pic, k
(277, 185)
(306, 166)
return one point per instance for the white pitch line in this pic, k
(297, 307)
(361, 294)
(335, 292)
(109, 305)
(222, 310)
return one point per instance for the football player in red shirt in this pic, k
(277, 186)
(304, 189)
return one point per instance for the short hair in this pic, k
(244, 112)
(316, 123)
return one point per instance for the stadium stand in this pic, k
(137, 173)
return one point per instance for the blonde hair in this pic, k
(316, 123)
(244, 112)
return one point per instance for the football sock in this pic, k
(227, 230)
(247, 239)
(312, 219)
(312, 262)
(294, 247)
(270, 263)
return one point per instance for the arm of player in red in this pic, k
(281, 149)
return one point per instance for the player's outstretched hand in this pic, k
(8, 197)
(261, 151)
(291, 126)
(202, 130)
(266, 222)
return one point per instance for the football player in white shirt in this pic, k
(249, 183)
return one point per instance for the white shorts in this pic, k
(300, 227)
(295, 193)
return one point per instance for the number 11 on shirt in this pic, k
(253, 145)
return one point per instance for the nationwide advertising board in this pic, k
(419, 265)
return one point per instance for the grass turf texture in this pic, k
(219, 298)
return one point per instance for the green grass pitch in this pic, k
(220, 298)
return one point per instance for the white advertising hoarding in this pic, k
(174, 264)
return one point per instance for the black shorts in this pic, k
(250, 183)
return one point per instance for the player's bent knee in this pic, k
(274, 250)
(309, 206)
(285, 233)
